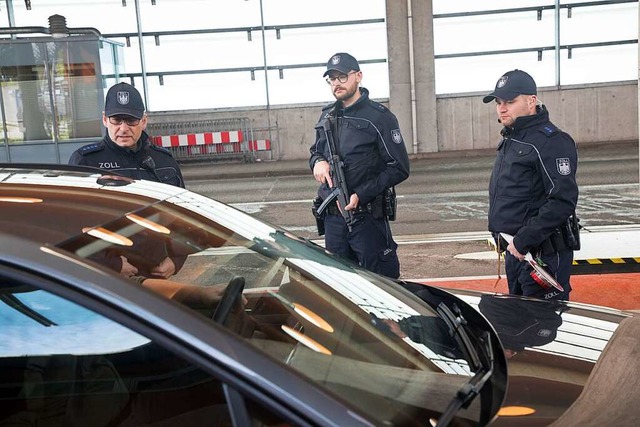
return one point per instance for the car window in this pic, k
(62, 364)
(358, 336)
(369, 345)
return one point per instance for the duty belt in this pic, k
(333, 209)
(374, 207)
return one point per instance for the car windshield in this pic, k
(360, 336)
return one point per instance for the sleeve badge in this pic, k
(396, 136)
(563, 165)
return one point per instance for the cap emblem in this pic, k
(544, 333)
(502, 82)
(123, 98)
(335, 60)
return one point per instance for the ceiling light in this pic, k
(515, 411)
(312, 317)
(309, 342)
(147, 223)
(20, 199)
(108, 236)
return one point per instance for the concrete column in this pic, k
(399, 71)
(424, 76)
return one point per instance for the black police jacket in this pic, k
(370, 146)
(533, 187)
(107, 155)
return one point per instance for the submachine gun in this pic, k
(339, 191)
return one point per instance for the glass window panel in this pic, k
(77, 88)
(487, 70)
(198, 14)
(202, 51)
(486, 33)
(493, 32)
(232, 50)
(111, 62)
(25, 92)
(198, 91)
(107, 16)
(61, 363)
(600, 23)
(285, 12)
(447, 6)
(365, 41)
(600, 64)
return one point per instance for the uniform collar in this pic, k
(524, 122)
(364, 96)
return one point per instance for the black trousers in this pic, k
(558, 264)
(370, 243)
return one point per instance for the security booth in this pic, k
(52, 90)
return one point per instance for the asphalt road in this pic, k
(441, 207)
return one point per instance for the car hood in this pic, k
(551, 349)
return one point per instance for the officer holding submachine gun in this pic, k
(358, 157)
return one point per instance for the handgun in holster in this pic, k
(390, 203)
(317, 201)
(571, 232)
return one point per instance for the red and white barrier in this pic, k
(211, 138)
(204, 138)
(260, 145)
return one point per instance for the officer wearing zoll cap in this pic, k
(532, 191)
(126, 150)
(124, 99)
(372, 158)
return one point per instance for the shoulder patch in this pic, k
(563, 165)
(377, 106)
(328, 106)
(91, 148)
(161, 149)
(396, 136)
(549, 129)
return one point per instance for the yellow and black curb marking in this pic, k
(598, 265)
(601, 261)
(606, 265)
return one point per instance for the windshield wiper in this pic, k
(19, 306)
(482, 366)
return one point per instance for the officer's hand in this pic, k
(395, 328)
(127, 269)
(513, 251)
(353, 202)
(165, 269)
(321, 172)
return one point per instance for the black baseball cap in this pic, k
(511, 84)
(124, 99)
(342, 62)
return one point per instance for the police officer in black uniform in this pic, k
(533, 191)
(374, 160)
(126, 149)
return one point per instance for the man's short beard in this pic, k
(346, 95)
